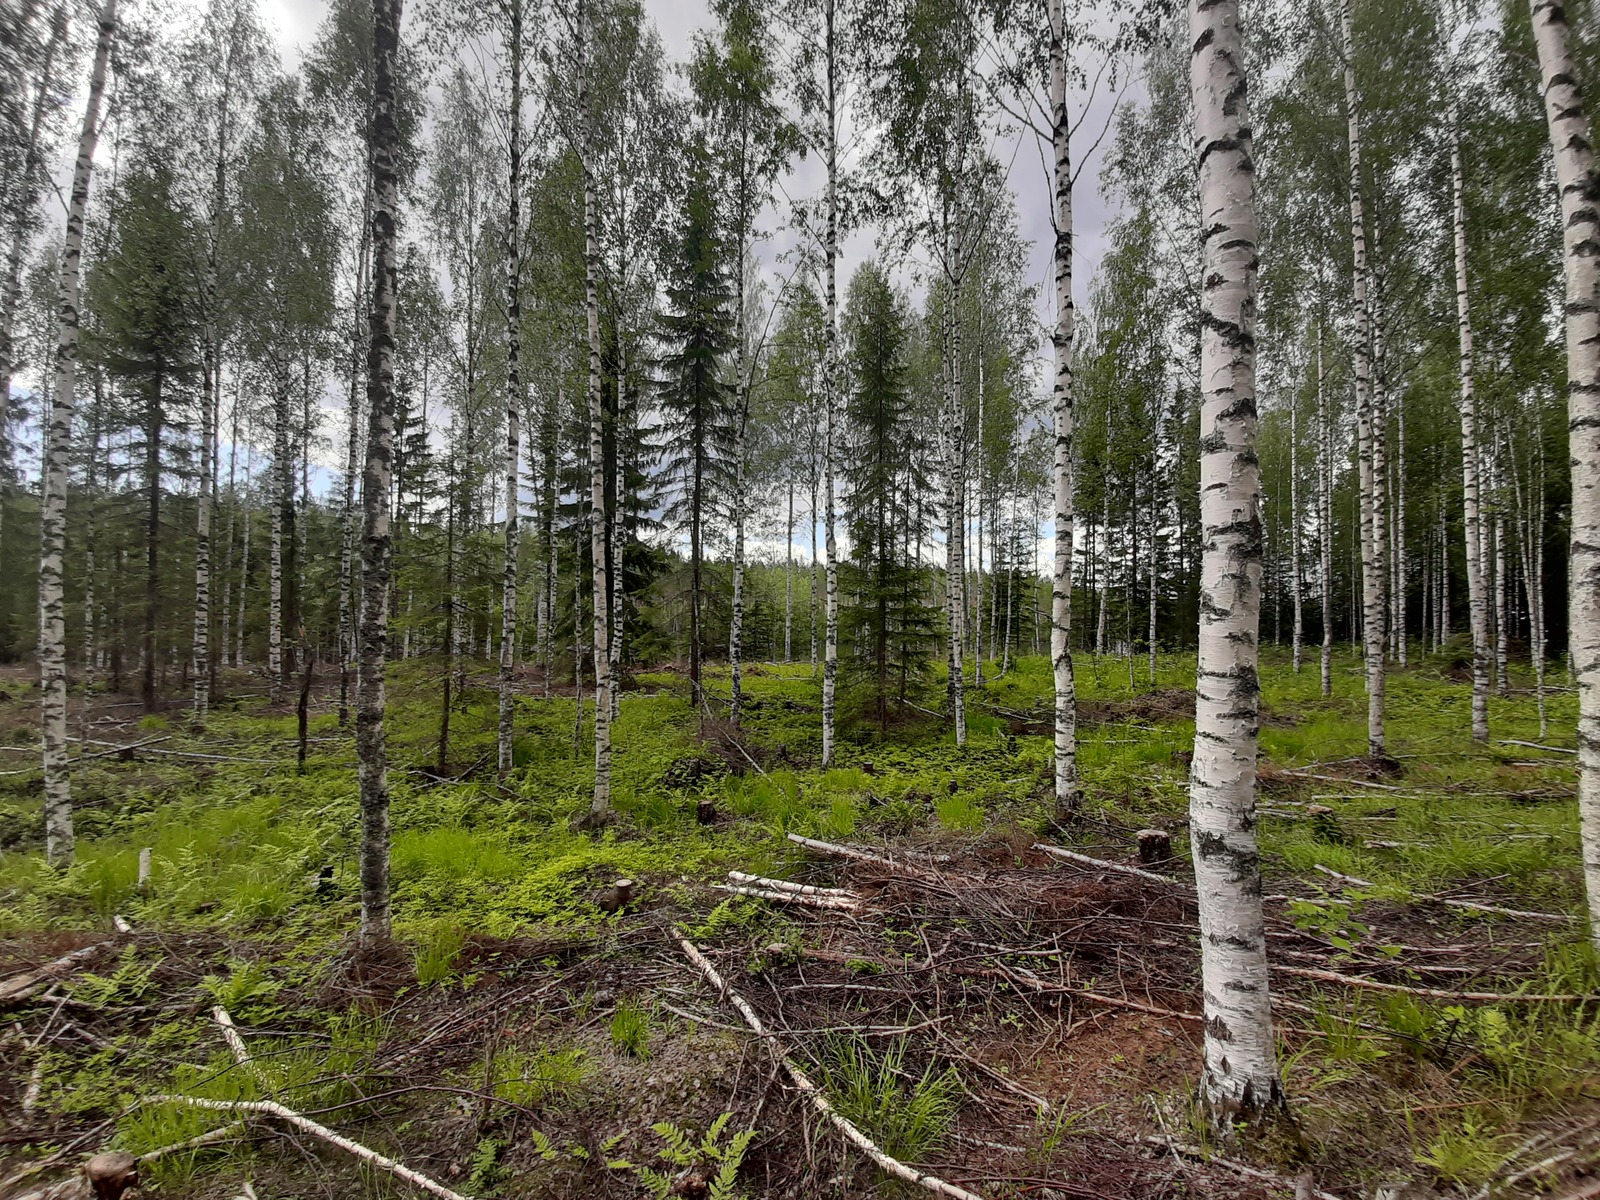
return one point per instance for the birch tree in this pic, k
(371, 749)
(1240, 1077)
(53, 485)
(1571, 139)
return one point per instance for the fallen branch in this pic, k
(1101, 865)
(30, 983)
(220, 1134)
(854, 853)
(833, 902)
(784, 885)
(272, 1108)
(1470, 905)
(1177, 1149)
(1536, 746)
(812, 1092)
(1437, 993)
(230, 1034)
(1379, 787)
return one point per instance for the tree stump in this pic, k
(112, 1175)
(1155, 845)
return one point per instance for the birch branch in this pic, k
(814, 1094)
(1101, 865)
(272, 1108)
(1470, 905)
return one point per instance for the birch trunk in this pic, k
(1296, 591)
(1240, 1077)
(281, 502)
(53, 482)
(347, 542)
(22, 209)
(1370, 462)
(741, 417)
(600, 806)
(226, 629)
(202, 534)
(1472, 522)
(619, 531)
(244, 559)
(830, 372)
(1579, 184)
(514, 400)
(1399, 526)
(371, 750)
(788, 581)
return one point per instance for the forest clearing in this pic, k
(1012, 1023)
(793, 598)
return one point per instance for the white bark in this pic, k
(1579, 184)
(505, 728)
(1366, 422)
(1325, 517)
(1240, 1077)
(830, 385)
(282, 482)
(1296, 591)
(1065, 706)
(600, 806)
(54, 477)
(376, 542)
(1472, 524)
(788, 581)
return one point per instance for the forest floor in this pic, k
(1015, 1023)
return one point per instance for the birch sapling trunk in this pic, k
(348, 636)
(830, 386)
(54, 475)
(1296, 592)
(600, 805)
(1240, 1078)
(1066, 728)
(1579, 185)
(741, 418)
(513, 448)
(371, 750)
(244, 559)
(225, 630)
(1325, 518)
(23, 205)
(1371, 567)
(956, 543)
(1472, 520)
(788, 581)
(201, 651)
(280, 502)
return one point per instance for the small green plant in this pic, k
(487, 1174)
(907, 1116)
(549, 1077)
(631, 1027)
(245, 986)
(718, 1162)
(960, 811)
(129, 982)
(436, 954)
(1464, 1154)
(732, 915)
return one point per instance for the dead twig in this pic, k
(272, 1108)
(30, 983)
(1357, 981)
(1470, 905)
(813, 1093)
(1101, 864)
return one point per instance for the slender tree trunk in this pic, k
(348, 636)
(788, 581)
(514, 400)
(22, 209)
(619, 528)
(244, 560)
(1579, 185)
(225, 635)
(600, 807)
(811, 609)
(54, 476)
(830, 387)
(202, 535)
(1502, 607)
(741, 418)
(153, 422)
(956, 543)
(1472, 523)
(1297, 592)
(371, 749)
(278, 665)
(1240, 1078)
(1366, 423)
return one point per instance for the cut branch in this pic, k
(814, 1094)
